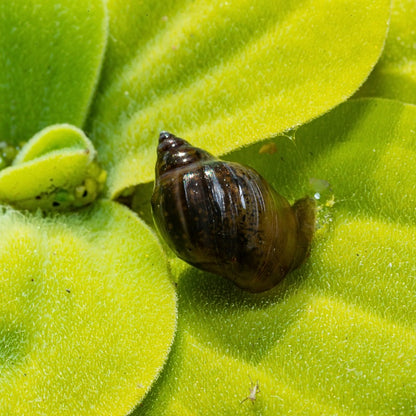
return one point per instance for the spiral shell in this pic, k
(223, 217)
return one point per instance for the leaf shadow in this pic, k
(238, 323)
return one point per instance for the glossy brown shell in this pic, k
(224, 218)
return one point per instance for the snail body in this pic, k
(223, 217)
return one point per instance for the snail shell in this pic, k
(224, 218)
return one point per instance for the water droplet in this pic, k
(324, 195)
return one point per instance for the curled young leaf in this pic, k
(55, 170)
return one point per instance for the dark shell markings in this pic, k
(223, 217)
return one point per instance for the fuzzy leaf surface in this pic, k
(87, 312)
(394, 76)
(50, 59)
(225, 74)
(338, 335)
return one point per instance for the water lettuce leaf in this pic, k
(87, 306)
(50, 60)
(225, 74)
(337, 336)
(394, 76)
(87, 315)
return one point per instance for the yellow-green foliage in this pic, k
(54, 170)
(395, 73)
(225, 73)
(87, 315)
(51, 54)
(87, 307)
(337, 336)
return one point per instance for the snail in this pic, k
(224, 218)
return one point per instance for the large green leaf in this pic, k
(50, 56)
(395, 74)
(225, 74)
(87, 314)
(338, 335)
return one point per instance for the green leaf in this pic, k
(51, 54)
(337, 336)
(55, 170)
(395, 74)
(87, 312)
(225, 74)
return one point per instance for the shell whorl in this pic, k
(174, 152)
(224, 218)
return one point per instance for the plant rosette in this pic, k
(89, 317)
